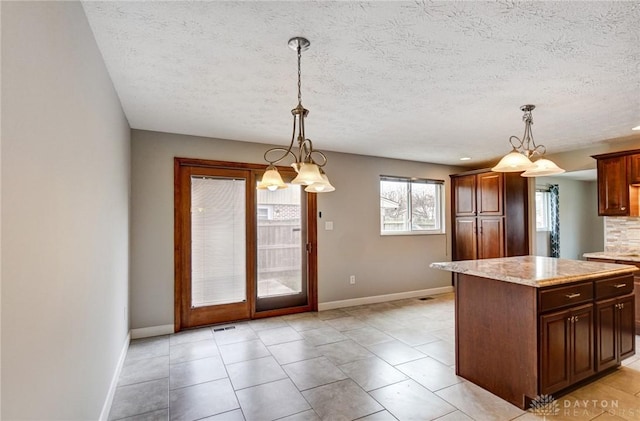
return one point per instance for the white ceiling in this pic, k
(425, 81)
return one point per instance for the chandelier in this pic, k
(308, 162)
(520, 157)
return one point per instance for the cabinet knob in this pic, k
(623, 208)
(620, 285)
(573, 295)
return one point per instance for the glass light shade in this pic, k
(323, 187)
(271, 180)
(514, 161)
(541, 168)
(308, 174)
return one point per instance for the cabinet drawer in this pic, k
(569, 295)
(613, 287)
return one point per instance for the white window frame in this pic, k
(409, 228)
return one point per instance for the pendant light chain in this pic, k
(299, 77)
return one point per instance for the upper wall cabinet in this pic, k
(618, 172)
(489, 215)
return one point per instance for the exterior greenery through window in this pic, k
(411, 206)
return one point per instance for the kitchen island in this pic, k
(527, 326)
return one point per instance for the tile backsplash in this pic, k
(622, 234)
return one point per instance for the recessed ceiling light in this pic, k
(636, 128)
(467, 158)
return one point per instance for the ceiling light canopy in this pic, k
(308, 162)
(519, 159)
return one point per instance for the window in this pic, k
(543, 211)
(411, 206)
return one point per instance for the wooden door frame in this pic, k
(182, 255)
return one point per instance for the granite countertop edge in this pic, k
(550, 281)
(629, 257)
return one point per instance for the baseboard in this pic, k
(383, 298)
(147, 332)
(104, 415)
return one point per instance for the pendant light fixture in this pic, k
(308, 162)
(519, 159)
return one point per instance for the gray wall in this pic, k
(581, 229)
(382, 265)
(65, 216)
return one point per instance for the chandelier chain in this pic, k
(299, 77)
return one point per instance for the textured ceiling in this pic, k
(426, 81)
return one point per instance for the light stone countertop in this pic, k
(629, 257)
(535, 271)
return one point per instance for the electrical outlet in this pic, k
(352, 279)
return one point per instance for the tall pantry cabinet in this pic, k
(489, 215)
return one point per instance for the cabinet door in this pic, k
(490, 188)
(636, 285)
(606, 341)
(490, 238)
(465, 239)
(582, 342)
(634, 168)
(555, 362)
(464, 190)
(613, 190)
(626, 328)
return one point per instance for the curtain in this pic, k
(554, 222)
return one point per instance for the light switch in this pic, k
(328, 225)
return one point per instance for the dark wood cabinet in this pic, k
(466, 248)
(613, 191)
(489, 215)
(521, 342)
(633, 161)
(567, 345)
(618, 179)
(490, 191)
(465, 196)
(636, 284)
(636, 289)
(615, 331)
(490, 237)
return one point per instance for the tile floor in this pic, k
(378, 362)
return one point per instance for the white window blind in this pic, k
(218, 241)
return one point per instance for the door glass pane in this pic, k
(280, 242)
(218, 241)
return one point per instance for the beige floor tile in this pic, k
(271, 401)
(442, 351)
(372, 373)
(408, 400)
(478, 403)
(396, 352)
(343, 400)
(290, 352)
(430, 373)
(313, 373)
(344, 352)
(601, 396)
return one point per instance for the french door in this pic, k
(240, 253)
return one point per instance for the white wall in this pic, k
(382, 265)
(65, 216)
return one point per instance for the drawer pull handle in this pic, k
(620, 285)
(574, 295)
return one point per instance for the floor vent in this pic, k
(220, 329)
(425, 298)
